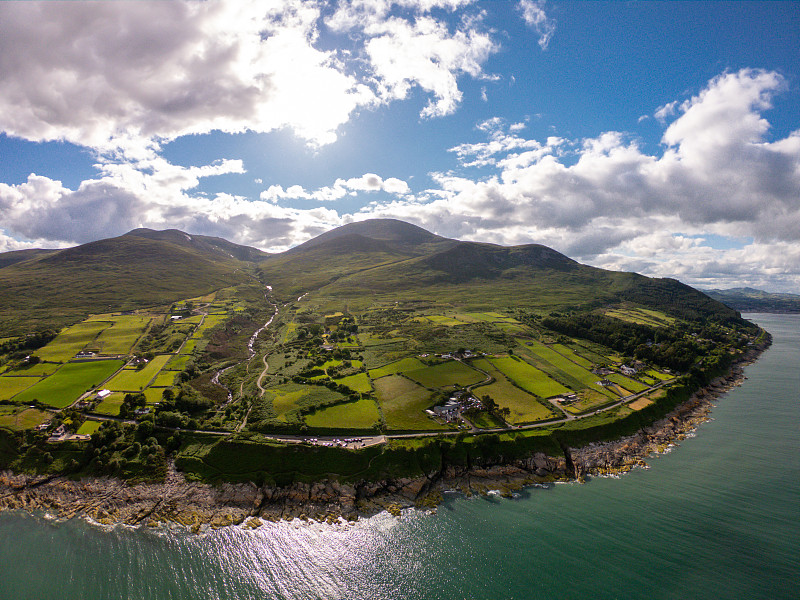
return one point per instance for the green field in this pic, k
(362, 414)
(122, 335)
(571, 355)
(286, 398)
(178, 362)
(399, 366)
(133, 380)
(358, 383)
(69, 382)
(445, 375)
(165, 379)
(110, 404)
(154, 394)
(403, 403)
(16, 418)
(88, 427)
(524, 407)
(589, 400)
(626, 382)
(586, 378)
(37, 370)
(443, 320)
(71, 341)
(9, 386)
(528, 377)
(661, 376)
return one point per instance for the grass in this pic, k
(445, 375)
(403, 403)
(69, 382)
(15, 418)
(358, 383)
(627, 383)
(528, 377)
(132, 380)
(178, 362)
(588, 400)
(110, 404)
(586, 378)
(362, 414)
(88, 427)
(10, 386)
(571, 355)
(286, 398)
(122, 335)
(164, 379)
(443, 320)
(661, 376)
(37, 370)
(71, 341)
(153, 394)
(524, 407)
(399, 366)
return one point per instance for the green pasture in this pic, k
(443, 320)
(398, 366)
(627, 383)
(585, 377)
(189, 345)
(15, 418)
(110, 404)
(164, 379)
(177, 362)
(37, 370)
(9, 386)
(88, 427)
(133, 380)
(642, 316)
(69, 382)
(358, 383)
(154, 394)
(123, 333)
(648, 380)
(588, 400)
(660, 376)
(286, 398)
(362, 414)
(524, 407)
(528, 377)
(71, 341)
(403, 403)
(573, 356)
(445, 375)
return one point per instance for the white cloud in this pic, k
(369, 182)
(534, 16)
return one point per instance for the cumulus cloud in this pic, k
(369, 182)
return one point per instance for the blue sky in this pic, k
(658, 137)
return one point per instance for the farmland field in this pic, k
(71, 341)
(132, 380)
(15, 418)
(588, 400)
(445, 375)
(37, 370)
(403, 403)
(164, 379)
(88, 427)
(573, 356)
(524, 407)
(529, 377)
(14, 385)
(69, 382)
(362, 414)
(627, 382)
(122, 335)
(110, 404)
(399, 366)
(586, 378)
(358, 383)
(656, 375)
(178, 362)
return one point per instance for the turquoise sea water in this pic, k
(717, 517)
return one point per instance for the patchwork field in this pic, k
(69, 382)
(524, 407)
(358, 383)
(399, 366)
(71, 341)
(403, 403)
(37, 370)
(583, 377)
(133, 380)
(362, 414)
(446, 375)
(627, 383)
(122, 335)
(528, 377)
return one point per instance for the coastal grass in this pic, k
(10, 386)
(71, 341)
(135, 380)
(403, 403)
(69, 382)
(361, 414)
(528, 377)
(446, 374)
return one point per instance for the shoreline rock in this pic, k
(196, 506)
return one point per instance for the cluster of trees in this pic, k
(20, 347)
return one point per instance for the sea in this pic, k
(717, 516)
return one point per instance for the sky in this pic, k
(656, 137)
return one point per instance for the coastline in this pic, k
(197, 506)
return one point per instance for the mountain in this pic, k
(387, 260)
(752, 300)
(135, 270)
(15, 256)
(202, 243)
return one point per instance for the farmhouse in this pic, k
(103, 394)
